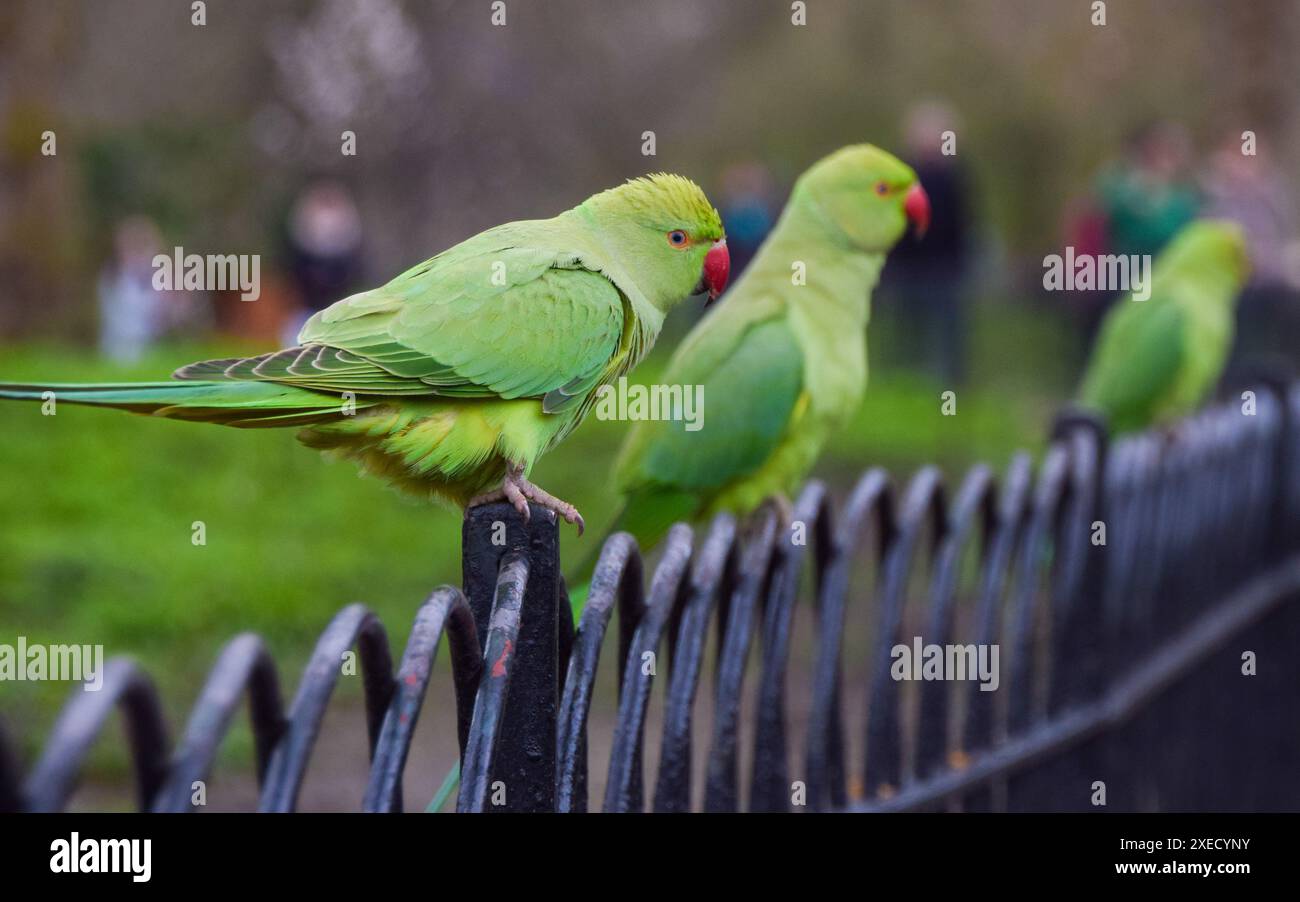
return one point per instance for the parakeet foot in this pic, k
(491, 497)
(508, 492)
(779, 506)
(550, 502)
(782, 507)
(519, 491)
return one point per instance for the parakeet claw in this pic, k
(509, 491)
(516, 497)
(519, 491)
(780, 505)
(550, 502)
(491, 497)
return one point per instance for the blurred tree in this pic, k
(460, 124)
(42, 259)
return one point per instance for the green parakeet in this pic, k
(783, 360)
(452, 380)
(1156, 360)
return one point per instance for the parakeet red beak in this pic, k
(917, 207)
(717, 266)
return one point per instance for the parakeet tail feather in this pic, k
(240, 404)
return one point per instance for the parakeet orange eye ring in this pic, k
(882, 189)
(678, 238)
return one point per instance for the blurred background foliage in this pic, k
(212, 131)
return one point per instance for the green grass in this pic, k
(97, 530)
(98, 509)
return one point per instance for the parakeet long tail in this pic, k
(239, 404)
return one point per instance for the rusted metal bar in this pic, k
(491, 757)
(446, 611)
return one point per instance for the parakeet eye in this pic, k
(882, 189)
(677, 238)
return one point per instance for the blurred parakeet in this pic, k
(452, 380)
(783, 360)
(1156, 360)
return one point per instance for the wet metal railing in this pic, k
(1144, 597)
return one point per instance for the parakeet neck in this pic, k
(826, 271)
(601, 238)
(615, 251)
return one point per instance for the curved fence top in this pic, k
(1077, 598)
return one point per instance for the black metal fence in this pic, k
(1143, 596)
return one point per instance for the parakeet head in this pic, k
(667, 236)
(1207, 251)
(867, 195)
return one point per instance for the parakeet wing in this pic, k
(511, 322)
(1137, 362)
(752, 381)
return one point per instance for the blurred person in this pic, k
(1148, 195)
(324, 249)
(134, 314)
(1250, 190)
(748, 210)
(1084, 229)
(928, 274)
(1140, 201)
